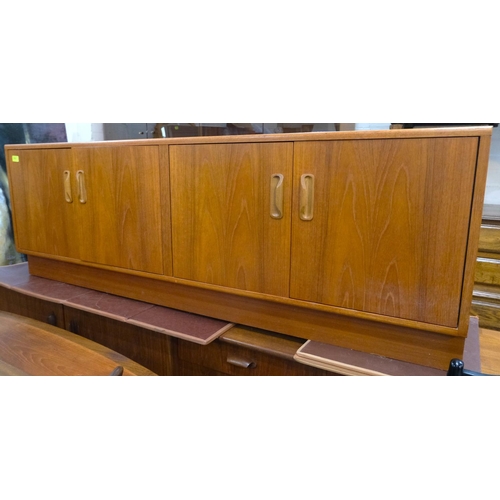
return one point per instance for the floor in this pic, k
(489, 341)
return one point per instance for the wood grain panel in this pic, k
(488, 313)
(35, 308)
(38, 349)
(390, 226)
(263, 341)
(489, 239)
(4, 299)
(150, 349)
(474, 229)
(121, 221)
(43, 220)
(166, 219)
(223, 233)
(185, 369)
(490, 351)
(487, 271)
(232, 360)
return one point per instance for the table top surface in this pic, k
(30, 347)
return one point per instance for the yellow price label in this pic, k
(15, 158)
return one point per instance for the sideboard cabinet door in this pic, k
(120, 209)
(44, 202)
(231, 214)
(388, 233)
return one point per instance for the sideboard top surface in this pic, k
(290, 137)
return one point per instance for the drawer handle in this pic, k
(118, 371)
(277, 196)
(241, 363)
(73, 326)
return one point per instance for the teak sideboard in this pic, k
(365, 240)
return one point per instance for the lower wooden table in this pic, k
(170, 342)
(30, 347)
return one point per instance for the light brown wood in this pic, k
(121, 221)
(488, 311)
(486, 293)
(122, 208)
(490, 351)
(475, 226)
(489, 239)
(166, 217)
(263, 341)
(389, 254)
(36, 184)
(487, 271)
(172, 292)
(390, 227)
(222, 230)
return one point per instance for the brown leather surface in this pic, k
(200, 329)
(108, 305)
(55, 291)
(193, 327)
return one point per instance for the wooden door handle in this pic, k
(82, 190)
(306, 197)
(67, 186)
(276, 196)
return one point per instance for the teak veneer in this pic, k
(365, 240)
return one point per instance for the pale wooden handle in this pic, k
(276, 196)
(67, 187)
(82, 190)
(306, 197)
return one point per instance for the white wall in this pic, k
(372, 126)
(84, 132)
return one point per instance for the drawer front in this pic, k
(185, 369)
(150, 349)
(241, 361)
(33, 307)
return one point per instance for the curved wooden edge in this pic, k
(15, 327)
(8, 369)
(336, 366)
